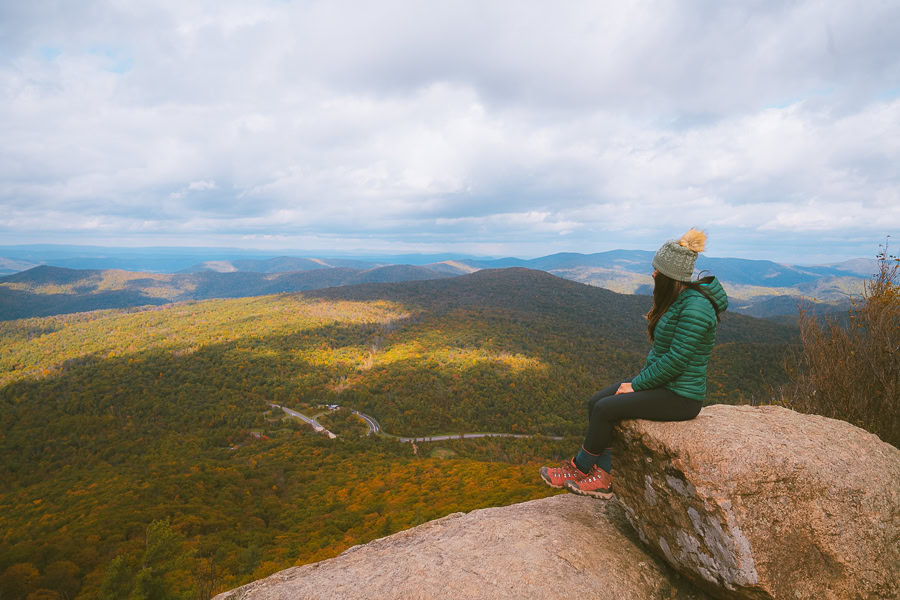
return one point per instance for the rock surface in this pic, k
(763, 502)
(559, 547)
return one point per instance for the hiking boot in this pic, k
(597, 483)
(558, 476)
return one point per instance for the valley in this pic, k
(117, 420)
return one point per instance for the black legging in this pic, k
(658, 404)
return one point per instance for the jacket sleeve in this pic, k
(692, 325)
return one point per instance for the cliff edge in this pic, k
(564, 546)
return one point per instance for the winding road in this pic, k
(375, 428)
(315, 424)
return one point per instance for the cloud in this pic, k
(504, 125)
(193, 186)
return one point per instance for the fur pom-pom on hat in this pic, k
(694, 240)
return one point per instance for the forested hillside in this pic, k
(45, 291)
(120, 427)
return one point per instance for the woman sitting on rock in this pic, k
(672, 384)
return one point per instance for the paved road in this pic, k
(459, 436)
(375, 428)
(313, 422)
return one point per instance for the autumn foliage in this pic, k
(851, 371)
(127, 432)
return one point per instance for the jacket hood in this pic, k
(716, 293)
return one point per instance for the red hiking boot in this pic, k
(558, 476)
(597, 483)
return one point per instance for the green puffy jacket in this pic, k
(682, 343)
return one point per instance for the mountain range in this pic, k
(756, 287)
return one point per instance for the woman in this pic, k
(672, 384)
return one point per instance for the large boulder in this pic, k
(559, 547)
(764, 502)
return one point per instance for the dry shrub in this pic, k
(852, 371)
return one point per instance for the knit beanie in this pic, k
(676, 258)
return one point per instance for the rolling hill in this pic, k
(45, 290)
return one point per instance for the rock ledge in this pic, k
(560, 547)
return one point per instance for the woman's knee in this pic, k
(604, 393)
(606, 408)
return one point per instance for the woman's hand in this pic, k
(625, 388)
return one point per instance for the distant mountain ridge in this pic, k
(164, 259)
(279, 264)
(45, 290)
(190, 259)
(8, 266)
(626, 271)
(738, 270)
(758, 287)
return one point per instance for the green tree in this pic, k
(162, 547)
(249, 558)
(149, 585)
(117, 581)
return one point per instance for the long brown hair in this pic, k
(666, 290)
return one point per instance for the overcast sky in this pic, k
(489, 127)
